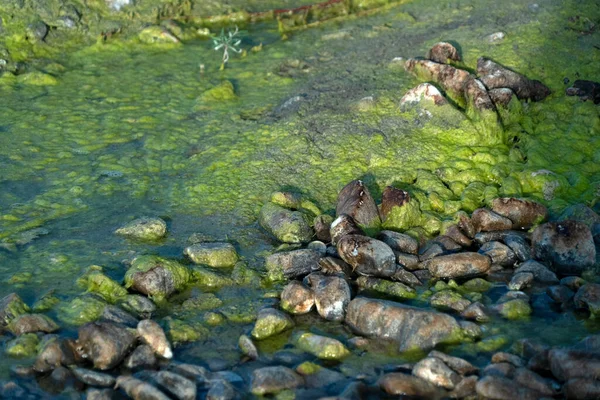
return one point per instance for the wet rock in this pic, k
(142, 357)
(457, 364)
(582, 389)
(539, 271)
(465, 388)
(494, 75)
(271, 322)
(588, 296)
(332, 266)
(193, 372)
(322, 226)
(499, 388)
(356, 201)
(560, 293)
(54, 353)
(272, 380)
(519, 246)
(478, 285)
(119, 316)
(399, 384)
(176, 385)
(484, 237)
(449, 300)
(37, 31)
(220, 389)
(156, 276)
(408, 261)
(523, 213)
(22, 346)
(520, 281)
(465, 224)
(451, 80)
(395, 289)
(499, 253)
(141, 306)
(138, 389)
(513, 359)
(425, 92)
(105, 344)
(153, 335)
(435, 371)
(297, 298)
(213, 254)
(443, 53)
(342, 226)
(475, 311)
(406, 277)
(145, 228)
(460, 265)
(580, 213)
(400, 242)
(502, 369)
(367, 256)
(514, 309)
(412, 328)
(586, 90)
(471, 330)
(567, 245)
(28, 323)
(292, 264)
(533, 381)
(398, 210)
(573, 282)
(332, 295)
(454, 233)
(485, 220)
(247, 347)
(322, 347)
(93, 378)
(11, 306)
(501, 97)
(567, 364)
(315, 376)
(437, 247)
(285, 225)
(100, 394)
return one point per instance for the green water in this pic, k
(126, 131)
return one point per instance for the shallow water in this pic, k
(123, 134)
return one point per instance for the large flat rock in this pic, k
(413, 328)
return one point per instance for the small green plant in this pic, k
(228, 41)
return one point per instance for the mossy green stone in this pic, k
(212, 279)
(287, 226)
(22, 346)
(270, 322)
(322, 347)
(404, 217)
(214, 254)
(515, 309)
(11, 307)
(80, 310)
(95, 281)
(179, 331)
(308, 368)
(222, 92)
(37, 78)
(395, 289)
(476, 285)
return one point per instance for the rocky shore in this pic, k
(366, 272)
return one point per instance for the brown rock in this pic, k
(460, 265)
(392, 197)
(27, 323)
(582, 389)
(452, 80)
(443, 53)
(399, 384)
(435, 371)
(105, 344)
(494, 75)
(297, 298)
(523, 213)
(342, 226)
(498, 388)
(322, 224)
(400, 242)
(367, 256)
(356, 201)
(458, 236)
(567, 245)
(271, 380)
(485, 220)
(332, 295)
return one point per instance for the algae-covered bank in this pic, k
(145, 176)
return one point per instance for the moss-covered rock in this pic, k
(80, 310)
(213, 254)
(179, 331)
(156, 277)
(515, 309)
(144, 228)
(94, 280)
(394, 289)
(11, 307)
(401, 218)
(271, 322)
(322, 347)
(222, 92)
(209, 278)
(287, 226)
(31, 323)
(23, 346)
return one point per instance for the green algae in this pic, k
(179, 331)
(22, 346)
(80, 310)
(95, 281)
